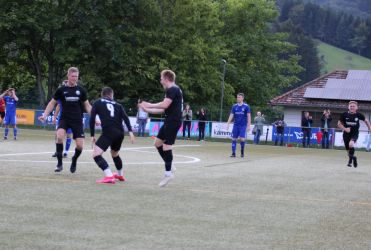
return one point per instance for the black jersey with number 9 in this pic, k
(111, 115)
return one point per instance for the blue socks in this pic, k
(68, 143)
(242, 143)
(234, 146)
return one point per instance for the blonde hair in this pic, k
(72, 70)
(353, 102)
(168, 74)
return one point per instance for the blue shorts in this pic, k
(238, 131)
(10, 119)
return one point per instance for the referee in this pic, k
(111, 115)
(73, 100)
(349, 124)
(172, 106)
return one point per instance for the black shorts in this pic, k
(113, 139)
(2, 114)
(347, 137)
(168, 132)
(76, 127)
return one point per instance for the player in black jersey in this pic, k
(349, 123)
(111, 115)
(172, 106)
(73, 99)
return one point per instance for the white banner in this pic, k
(364, 140)
(219, 130)
(133, 123)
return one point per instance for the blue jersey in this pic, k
(11, 105)
(240, 114)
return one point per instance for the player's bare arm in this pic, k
(47, 110)
(6, 92)
(341, 126)
(87, 107)
(230, 119)
(55, 115)
(160, 105)
(14, 95)
(368, 124)
(248, 121)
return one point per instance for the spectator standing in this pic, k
(258, 126)
(280, 129)
(187, 121)
(306, 124)
(326, 125)
(142, 117)
(201, 124)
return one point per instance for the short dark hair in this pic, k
(168, 74)
(106, 92)
(241, 94)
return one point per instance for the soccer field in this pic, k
(274, 198)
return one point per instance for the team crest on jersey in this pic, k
(77, 92)
(356, 119)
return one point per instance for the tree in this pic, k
(360, 37)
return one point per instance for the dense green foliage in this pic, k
(360, 8)
(339, 29)
(125, 44)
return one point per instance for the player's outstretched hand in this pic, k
(347, 130)
(132, 137)
(42, 118)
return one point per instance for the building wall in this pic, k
(292, 116)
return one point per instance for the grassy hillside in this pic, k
(334, 58)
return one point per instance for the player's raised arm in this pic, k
(6, 92)
(14, 95)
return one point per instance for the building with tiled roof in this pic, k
(333, 90)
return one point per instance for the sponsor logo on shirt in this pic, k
(72, 98)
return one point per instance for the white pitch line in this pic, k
(90, 150)
(135, 149)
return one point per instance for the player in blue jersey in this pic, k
(240, 114)
(10, 118)
(56, 118)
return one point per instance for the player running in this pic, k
(111, 115)
(10, 118)
(349, 124)
(240, 113)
